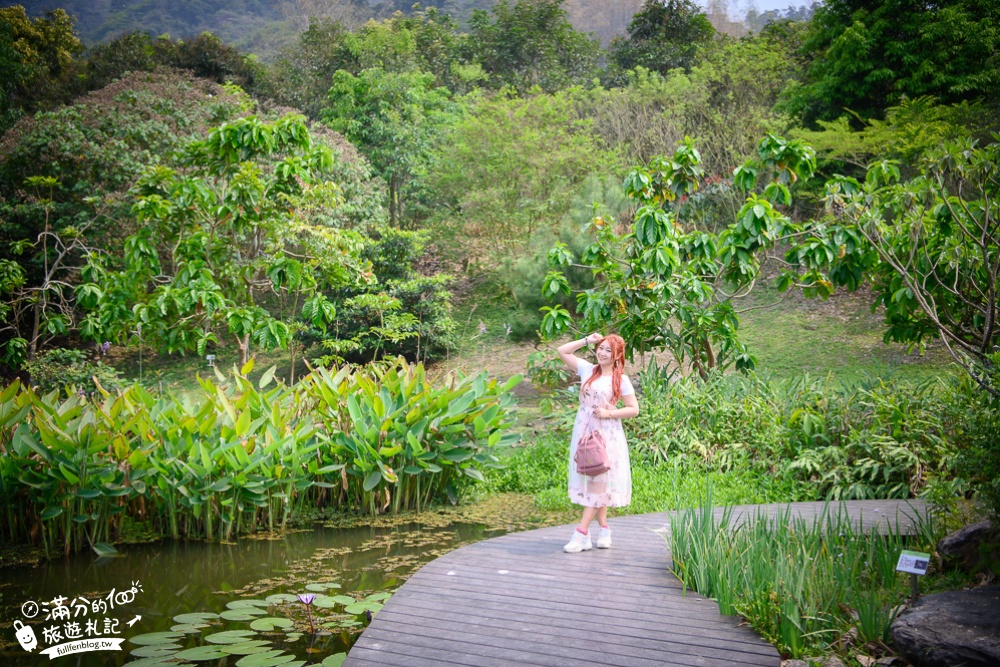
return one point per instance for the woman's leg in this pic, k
(588, 516)
(602, 516)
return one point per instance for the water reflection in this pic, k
(184, 577)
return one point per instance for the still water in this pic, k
(167, 579)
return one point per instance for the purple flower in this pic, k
(482, 328)
(307, 600)
(105, 346)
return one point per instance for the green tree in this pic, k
(664, 285)
(662, 36)
(531, 43)
(393, 118)
(509, 169)
(228, 243)
(930, 245)
(869, 54)
(37, 57)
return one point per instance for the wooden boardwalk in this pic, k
(519, 600)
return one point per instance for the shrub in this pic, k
(60, 368)
(875, 439)
(401, 313)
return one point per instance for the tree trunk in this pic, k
(244, 345)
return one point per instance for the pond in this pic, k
(185, 592)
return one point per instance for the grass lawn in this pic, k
(840, 336)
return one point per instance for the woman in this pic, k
(602, 386)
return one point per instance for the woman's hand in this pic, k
(603, 413)
(594, 338)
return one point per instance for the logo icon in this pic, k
(25, 636)
(29, 609)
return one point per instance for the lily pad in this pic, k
(247, 648)
(319, 588)
(153, 638)
(379, 597)
(270, 624)
(292, 637)
(279, 598)
(195, 617)
(363, 606)
(188, 628)
(243, 604)
(230, 636)
(199, 653)
(245, 614)
(155, 650)
(335, 660)
(343, 599)
(267, 659)
(158, 661)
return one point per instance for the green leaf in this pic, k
(266, 378)
(266, 659)
(271, 623)
(335, 660)
(154, 638)
(230, 636)
(200, 653)
(372, 480)
(105, 550)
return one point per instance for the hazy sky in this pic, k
(739, 7)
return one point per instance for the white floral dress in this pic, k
(613, 488)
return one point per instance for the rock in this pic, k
(952, 628)
(833, 661)
(961, 548)
(794, 663)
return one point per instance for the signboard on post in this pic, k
(914, 562)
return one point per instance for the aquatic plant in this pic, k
(238, 457)
(802, 584)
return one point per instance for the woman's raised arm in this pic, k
(566, 350)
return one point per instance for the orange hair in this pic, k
(617, 366)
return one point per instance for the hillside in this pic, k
(263, 25)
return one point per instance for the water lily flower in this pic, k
(307, 600)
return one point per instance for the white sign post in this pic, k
(915, 563)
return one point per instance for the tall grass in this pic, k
(807, 586)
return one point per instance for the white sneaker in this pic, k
(604, 539)
(578, 543)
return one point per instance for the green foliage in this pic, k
(60, 368)
(99, 147)
(661, 37)
(867, 56)
(802, 584)
(222, 235)
(531, 44)
(977, 441)
(238, 457)
(392, 117)
(908, 131)
(930, 245)
(37, 58)
(663, 287)
(874, 439)
(498, 188)
(525, 274)
(400, 313)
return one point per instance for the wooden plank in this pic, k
(623, 626)
(518, 599)
(613, 641)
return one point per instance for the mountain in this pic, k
(261, 26)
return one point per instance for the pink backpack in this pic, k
(592, 453)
